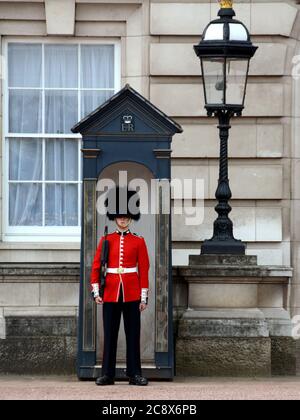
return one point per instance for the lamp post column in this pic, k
(223, 240)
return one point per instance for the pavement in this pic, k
(192, 388)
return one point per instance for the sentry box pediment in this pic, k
(128, 128)
(127, 113)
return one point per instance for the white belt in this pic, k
(121, 270)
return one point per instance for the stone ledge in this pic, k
(218, 322)
(279, 322)
(62, 326)
(234, 274)
(225, 322)
(226, 259)
(60, 273)
(40, 311)
(279, 328)
(246, 328)
(224, 313)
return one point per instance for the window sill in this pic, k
(39, 243)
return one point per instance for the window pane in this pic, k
(61, 66)
(61, 205)
(90, 100)
(62, 160)
(25, 204)
(213, 75)
(97, 66)
(25, 159)
(25, 111)
(25, 65)
(61, 111)
(236, 73)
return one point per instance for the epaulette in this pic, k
(136, 234)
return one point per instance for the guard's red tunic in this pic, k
(125, 250)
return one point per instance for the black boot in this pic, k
(105, 380)
(138, 380)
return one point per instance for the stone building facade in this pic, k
(152, 50)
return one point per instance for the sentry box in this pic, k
(129, 137)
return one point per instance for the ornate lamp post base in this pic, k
(231, 246)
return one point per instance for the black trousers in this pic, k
(132, 325)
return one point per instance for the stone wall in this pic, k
(157, 59)
(38, 327)
(39, 345)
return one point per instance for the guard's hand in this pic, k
(143, 306)
(99, 300)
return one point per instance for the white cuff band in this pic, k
(144, 295)
(95, 287)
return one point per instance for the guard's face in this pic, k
(123, 222)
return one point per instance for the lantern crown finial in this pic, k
(226, 4)
(226, 11)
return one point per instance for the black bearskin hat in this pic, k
(120, 203)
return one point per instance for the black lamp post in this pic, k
(225, 52)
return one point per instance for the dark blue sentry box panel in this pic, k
(125, 128)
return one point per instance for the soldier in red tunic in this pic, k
(126, 291)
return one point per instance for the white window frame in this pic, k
(44, 233)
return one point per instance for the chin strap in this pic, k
(95, 290)
(144, 296)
